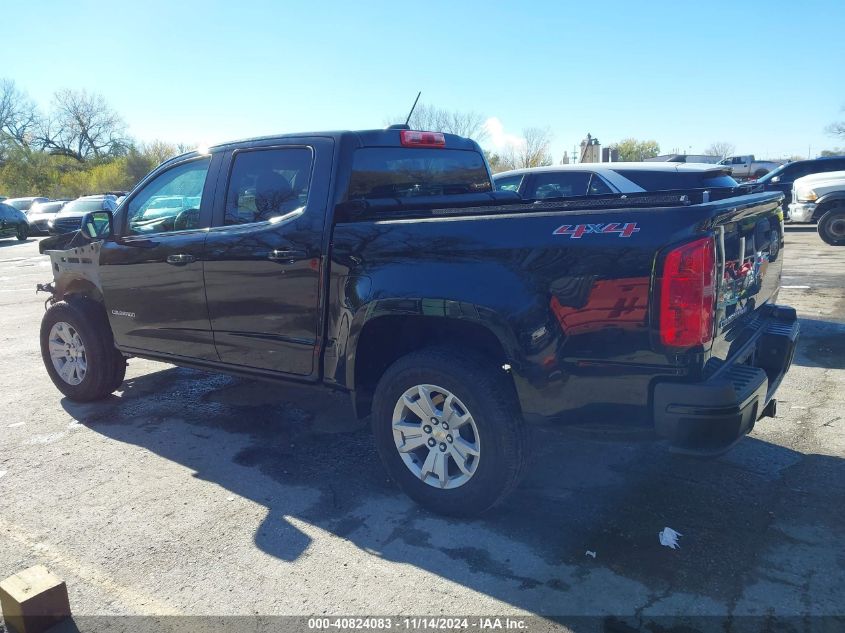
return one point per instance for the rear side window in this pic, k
(663, 180)
(508, 183)
(561, 184)
(397, 172)
(269, 183)
(598, 187)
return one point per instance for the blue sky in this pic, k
(765, 76)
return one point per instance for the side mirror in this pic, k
(776, 179)
(97, 225)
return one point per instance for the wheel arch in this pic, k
(378, 341)
(827, 202)
(79, 288)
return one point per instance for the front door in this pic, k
(152, 270)
(263, 268)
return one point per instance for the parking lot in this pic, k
(191, 493)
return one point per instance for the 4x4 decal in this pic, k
(578, 230)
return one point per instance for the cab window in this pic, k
(267, 184)
(171, 201)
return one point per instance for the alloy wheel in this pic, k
(67, 352)
(436, 436)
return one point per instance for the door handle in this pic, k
(288, 256)
(180, 260)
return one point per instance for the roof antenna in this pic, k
(408, 120)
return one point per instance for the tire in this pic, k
(119, 371)
(23, 232)
(81, 322)
(485, 403)
(831, 226)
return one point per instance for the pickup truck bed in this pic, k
(442, 306)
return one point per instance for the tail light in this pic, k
(412, 138)
(688, 295)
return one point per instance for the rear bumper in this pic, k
(709, 417)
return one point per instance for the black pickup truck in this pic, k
(383, 264)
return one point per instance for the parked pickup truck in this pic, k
(383, 264)
(821, 198)
(746, 167)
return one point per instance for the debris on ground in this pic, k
(669, 538)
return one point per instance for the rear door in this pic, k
(152, 270)
(263, 272)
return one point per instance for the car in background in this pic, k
(24, 204)
(13, 223)
(821, 198)
(596, 179)
(747, 167)
(783, 178)
(40, 214)
(69, 219)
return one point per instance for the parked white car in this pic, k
(821, 197)
(597, 179)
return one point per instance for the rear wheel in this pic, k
(832, 226)
(23, 232)
(78, 351)
(449, 431)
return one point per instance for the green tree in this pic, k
(630, 149)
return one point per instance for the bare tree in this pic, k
(18, 115)
(434, 119)
(722, 149)
(532, 152)
(83, 126)
(837, 128)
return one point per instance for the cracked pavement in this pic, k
(192, 493)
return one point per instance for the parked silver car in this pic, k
(40, 214)
(69, 219)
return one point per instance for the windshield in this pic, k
(85, 205)
(396, 172)
(21, 205)
(775, 172)
(46, 207)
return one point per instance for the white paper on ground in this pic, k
(669, 538)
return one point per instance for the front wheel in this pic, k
(448, 429)
(23, 232)
(78, 351)
(831, 226)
